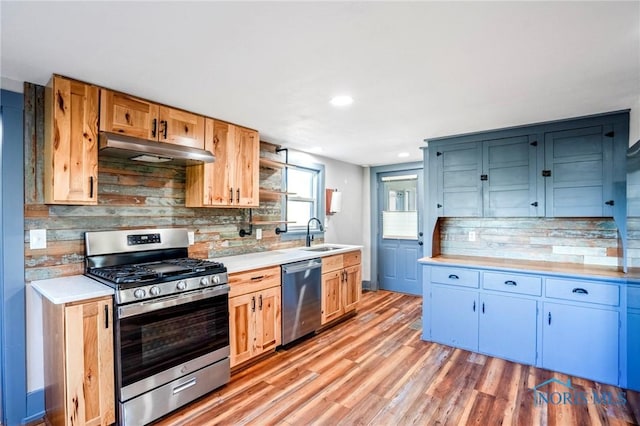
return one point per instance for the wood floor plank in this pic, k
(374, 369)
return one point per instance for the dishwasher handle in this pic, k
(292, 268)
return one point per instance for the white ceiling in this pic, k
(416, 70)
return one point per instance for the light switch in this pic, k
(192, 237)
(37, 239)
(258, 234)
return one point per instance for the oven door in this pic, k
(166, 338)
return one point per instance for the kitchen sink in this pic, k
(321, 248)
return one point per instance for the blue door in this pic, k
(399, 239)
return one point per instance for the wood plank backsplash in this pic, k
(592, 241)
(130, 195)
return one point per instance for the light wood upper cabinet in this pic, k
(233, 179)
(131, 116)
(78, 348)
(71, 142)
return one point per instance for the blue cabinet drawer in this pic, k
(512, 283)
(583, 291)
(633, 296)
(455, 276)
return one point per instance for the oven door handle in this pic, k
(169, 301)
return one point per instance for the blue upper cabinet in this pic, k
(579, 172)
(458, 180)
(559, 169)
(509, 178)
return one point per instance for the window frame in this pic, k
(295, 232)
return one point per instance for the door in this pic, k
(459, 185)
(181, 127)
(241, 327)
(331, 296)
(352, 287)
(399, 238)
(246, 160)
(268, 320)
(126, 115)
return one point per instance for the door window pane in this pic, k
(400, 214)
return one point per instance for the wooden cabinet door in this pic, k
(268, 320)
(181, 127)
(352, 287)
(581, 341)
(454, 317)
(507, 328)
(459, 188)
(580, 162)
(242, 327)
(511, 168)
(89, 360)
(71, 143)
(246, 168)
(124, 114)
(332, 307)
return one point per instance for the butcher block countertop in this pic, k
(515, 265)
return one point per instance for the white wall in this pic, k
(346, 227)
(35, 355)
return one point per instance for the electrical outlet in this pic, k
(37, 239)
(192, 237)
(472, 235)
(258, 234)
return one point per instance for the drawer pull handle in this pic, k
(579, 290)
(510, 282)
(185, 386)
(259, 277)
(454, 277)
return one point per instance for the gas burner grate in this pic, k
(124, 274)
(197, 265)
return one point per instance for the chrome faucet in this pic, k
(309, 237)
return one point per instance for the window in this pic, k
(305, 184)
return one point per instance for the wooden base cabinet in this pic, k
(255, 319)
(341, 285)
(78, 356)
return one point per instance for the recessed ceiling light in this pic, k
(403, 154)
(342, 100)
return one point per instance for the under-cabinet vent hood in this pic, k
(150, 151)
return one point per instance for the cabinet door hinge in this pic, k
(534, 204)
(534, 143)
(609, 203)
(438, 154)
(546, 173)
(610, 134)
(484, 177)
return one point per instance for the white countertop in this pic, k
(79, 287)
(246, 262)
(71, 289)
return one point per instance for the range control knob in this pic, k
(181, 285)
(204, 281)
(154, 291)
(139, 293)
(216, 279)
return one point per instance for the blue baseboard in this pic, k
(35, 406)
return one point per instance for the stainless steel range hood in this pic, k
(136, 149)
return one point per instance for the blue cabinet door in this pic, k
(459, 188)
(633, 351)
(508, 328)
(580, 167)
(454, 317)
(510, 185)
(581, 341)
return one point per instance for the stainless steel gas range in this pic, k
(171, 319)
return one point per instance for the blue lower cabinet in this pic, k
(581, 341)
(633, 351)
(454, 317)
(508, 328)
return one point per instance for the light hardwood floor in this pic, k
(374, 369)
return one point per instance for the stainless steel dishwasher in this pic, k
(301, 303)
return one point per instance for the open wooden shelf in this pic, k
(269, 222)
(273, 194)
(273, 164)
